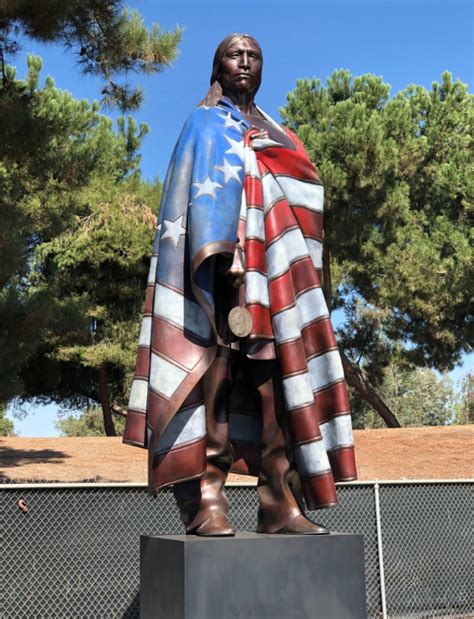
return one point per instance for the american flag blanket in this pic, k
(222, 185)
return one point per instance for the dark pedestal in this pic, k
(253, 576)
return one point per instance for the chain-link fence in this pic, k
(75, 552)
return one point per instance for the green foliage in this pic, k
(6, 425)
(398, 179)
(416, 396)
(464, 412)
(87, 423)
(107, 39)
(74, 246)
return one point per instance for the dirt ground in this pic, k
(405, 453)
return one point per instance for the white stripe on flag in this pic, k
(286, 325)
(243, 207)
(173, 306)
(315, 249)
(138, 395)
(165, 377)
(325, 369)
(297, 391)
(256, 288)
(272, 191)
(302, 193)
(152, 271)
(189, 424)
(311, 459)
(281, 253)
(145, 332)
(337, 432)
(310, 305)
(255, 225)
(250, 165)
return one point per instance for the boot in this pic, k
(202, 502)
(279, 511)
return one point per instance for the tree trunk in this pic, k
(109, 427)
(355, 377)
(327, 281)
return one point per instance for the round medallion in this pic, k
(240, 321)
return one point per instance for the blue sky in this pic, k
(404, 41)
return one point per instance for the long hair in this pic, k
(214, 93)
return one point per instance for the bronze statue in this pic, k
(238, 367)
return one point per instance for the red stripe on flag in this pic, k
(136, 428)
(156, 405)
(343, 464)
(149, 300)
(292, 357)
(311, 222)
(303, 424)
(261, 320)
(255, 255)
(142, 365)
(253, 190)
(318, 337)
(320, 491)
(279, 219)
(287, 162)
(171, 342)
(331, 401)
(301, 276)
(185, 462)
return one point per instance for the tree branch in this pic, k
(356, 378)
(117, 410)
(109, 427)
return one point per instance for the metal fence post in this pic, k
(380, 549)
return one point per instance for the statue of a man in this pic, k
(237, 364)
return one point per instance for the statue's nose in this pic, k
(244, 61)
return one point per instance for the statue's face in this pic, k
(241, 68)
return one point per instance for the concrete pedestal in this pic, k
(253, 576)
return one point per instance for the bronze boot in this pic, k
(279, 510)
(202, 502)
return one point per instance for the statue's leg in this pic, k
(202, 502)
(279, 512)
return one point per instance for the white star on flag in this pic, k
(173, 230)
(230, 171)
(207, 188)
(236, 147)
(230, 122)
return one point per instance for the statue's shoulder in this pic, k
(203, 119)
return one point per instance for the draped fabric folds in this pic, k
(222, 185)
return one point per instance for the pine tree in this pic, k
(6, 425)
(398, 254)
(106, 39)
(74, 247)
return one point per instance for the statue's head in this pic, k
(237, 65)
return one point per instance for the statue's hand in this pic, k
(260, 134)
(236, 271)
